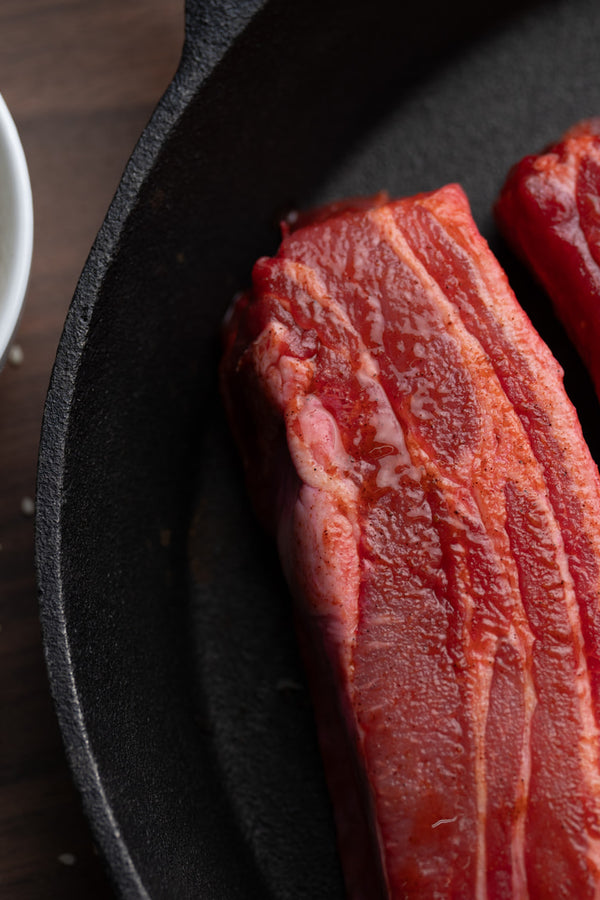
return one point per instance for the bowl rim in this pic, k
(18, 275)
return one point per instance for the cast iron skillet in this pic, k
(166, 624)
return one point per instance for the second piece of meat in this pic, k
(549, 211)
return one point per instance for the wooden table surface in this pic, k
(81, 78)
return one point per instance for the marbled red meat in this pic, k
(549, 211)
(407, 439)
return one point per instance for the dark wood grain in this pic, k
(81, 79)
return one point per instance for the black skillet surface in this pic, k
(166, 623)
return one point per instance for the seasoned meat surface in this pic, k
(407, 440)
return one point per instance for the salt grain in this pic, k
(27, 506)
(15, 355)
(67, 859)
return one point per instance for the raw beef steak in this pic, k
(549, 211)
(407, 440)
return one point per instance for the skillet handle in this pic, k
(211, 26)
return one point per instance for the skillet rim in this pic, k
(211, 27)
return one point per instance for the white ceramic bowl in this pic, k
(16, 228)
